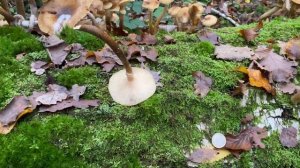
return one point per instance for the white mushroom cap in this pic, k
(209, 20)
(131, 92)
(296, 1)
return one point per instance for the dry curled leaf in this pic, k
(288, 137)
(280, 68)
(57, 49)
(292, 49)
(56, 94)
(144, 39)
(18, 107)
(77, 91)
(140, 53)
(68, 104)
(246, 139)
(208, 155)
(40, 67)
(228, 52)
(203, 84)
(257, 79)
(169, 39)
(252, 33)
(209, 36)
(288, 88)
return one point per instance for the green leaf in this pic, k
(137, 7)
(158, 12)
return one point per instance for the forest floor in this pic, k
(155, 133)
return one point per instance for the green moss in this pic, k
(154, 133)
(88, 41)
(44, 142)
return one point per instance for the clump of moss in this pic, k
(87, 40)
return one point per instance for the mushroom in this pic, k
(209, 20)
(56, 13)
(182, 17)
(296, 1)
(195, 12)
(151, 5)
(166, 5)
(130, 86)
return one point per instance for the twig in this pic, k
(269, 13)
(225, 16)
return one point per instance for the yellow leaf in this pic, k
(247, 1)
(257, 79)
(221, 154)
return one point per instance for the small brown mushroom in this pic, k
(166, 6)
(209, 20)
(56, 13)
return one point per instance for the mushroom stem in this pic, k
(108, 20)
(8, 17)
(112, 44)
(4, 5)
(160, 18)
(33, 7)
(150, 22)
(121, 24)
(20, 7)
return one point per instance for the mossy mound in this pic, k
(156, 132)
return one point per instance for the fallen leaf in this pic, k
(292, 49)
(56, 48)
(246, 139)
(144, 39)
(54, 95)
(135, 51)
(252, 33)
(169, 39)
(289, 88)
(257, 79)
(20, 56)
(240, 89)
(296, 97)
(288, 137)
(280, 68)
(203, 84)
(228, 52)
(40, 67)
(156, 75)
(209, 36)
(247, 119)
(168, 28)
(68, 104)
(77, 91)
(208, 155)
(18, 107)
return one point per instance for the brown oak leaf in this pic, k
(252, 33)
(203, 84)
(68, 104)
(169, 39)
(228, 52)
(144, 39)
(209, 36)
(246, 139)
(288, 137)
(292, 49)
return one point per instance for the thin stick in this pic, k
(20, 7)
(269, 13)
(8, 17)
(4, 5)
(150, 22)
(33, 7)
(160, 18)
(223, 15)
(112, 44)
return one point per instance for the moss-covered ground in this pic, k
(153, 134)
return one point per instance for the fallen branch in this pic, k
(223, 15)
(269, 13)
(8, 17)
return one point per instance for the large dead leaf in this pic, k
(209, 36)
(246, 139)
(228, 52)
(68, 104)
(257, 79)
(56, 48)
(252, 33)
(203, 84)
(54, 95)
(292, 49)
(288, 137)
(77, 91)
(208, 155)
(281, 69)
(18, 107)
(40, 67)
(289, 88)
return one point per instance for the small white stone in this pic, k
(218, 140)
